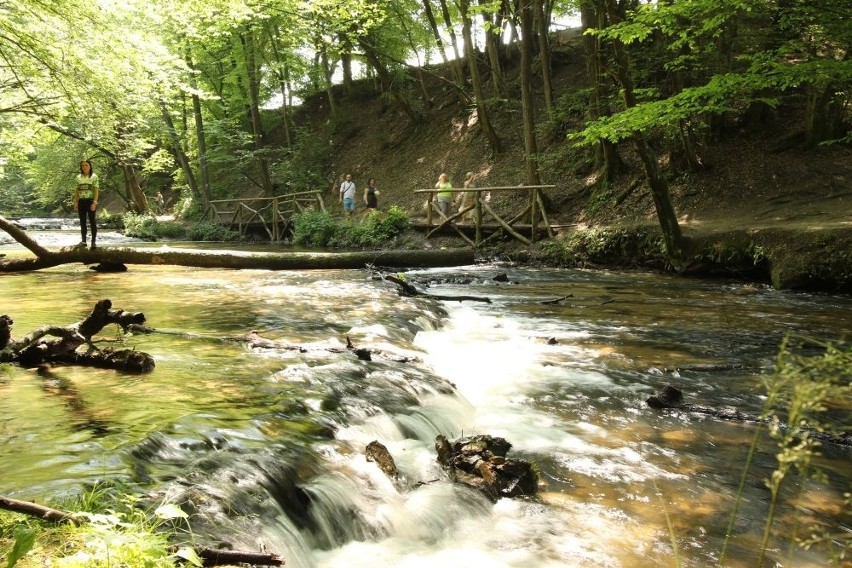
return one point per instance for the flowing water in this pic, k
(265, 447)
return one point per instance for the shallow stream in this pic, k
(268, 444)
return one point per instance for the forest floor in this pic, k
(754, 180)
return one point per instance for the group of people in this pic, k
(348, 193)
(446, 197)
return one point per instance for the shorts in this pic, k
(348, 204)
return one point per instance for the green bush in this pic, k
(145, 226)
(140, 226)
(320, 229)
(315, 228)
(210, 232)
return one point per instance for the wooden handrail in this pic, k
(481, 189)
(535, 209)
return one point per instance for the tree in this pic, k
(530, 145)
(479, 95)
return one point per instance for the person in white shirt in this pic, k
(347, 194)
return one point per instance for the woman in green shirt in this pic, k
(445, 198)
(86, 196)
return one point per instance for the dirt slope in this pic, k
(753, 180)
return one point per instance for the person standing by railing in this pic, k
(445, 197)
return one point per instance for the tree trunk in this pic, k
(182, 158)
(542, 27)
(606, 156)
(659, 187)
(491, 49)
(200, 139)
(346, 63)
(448, 22)
(823, 114)
(433, 25)
(263, 261)
(481, 108)
(386, 82)
(253, 74)
(281, 71)
(134, 191)
(530, 144)
(326, 72)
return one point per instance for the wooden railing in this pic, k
(273, 214)
(534, 212)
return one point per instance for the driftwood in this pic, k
(669, 397)
(59, 344)
(409, 290)
(114, 258)
(36, 510)
(210, 556)
(220, 557)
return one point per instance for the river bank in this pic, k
(805, 258)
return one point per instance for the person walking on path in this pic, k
(86, 195)
(347, 194)
(445, 197)
(371, 193)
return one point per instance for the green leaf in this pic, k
(24, 541)
(170, 511)
(188, 554)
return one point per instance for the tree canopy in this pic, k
(189, 94)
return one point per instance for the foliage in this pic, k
(805, 55)
(116, 531)
(320, 229)
(305, 166)
(315, 228)
(810, 379)
(147, 227)
(210, 232)
(632, 244)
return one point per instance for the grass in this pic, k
(115, 530)
(810, 379)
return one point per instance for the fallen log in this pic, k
(246, 260)
(221, 557)
(59, 344)
(36, 510)
(409, 290)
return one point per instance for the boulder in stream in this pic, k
(378, 453)
(480, 462)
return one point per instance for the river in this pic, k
(265, 447)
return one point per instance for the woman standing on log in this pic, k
(86, 195)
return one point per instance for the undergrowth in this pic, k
(808, 394)
(320, 229)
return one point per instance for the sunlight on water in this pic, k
(274, 439)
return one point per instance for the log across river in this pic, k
(266, 446)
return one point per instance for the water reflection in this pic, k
(267, 445)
